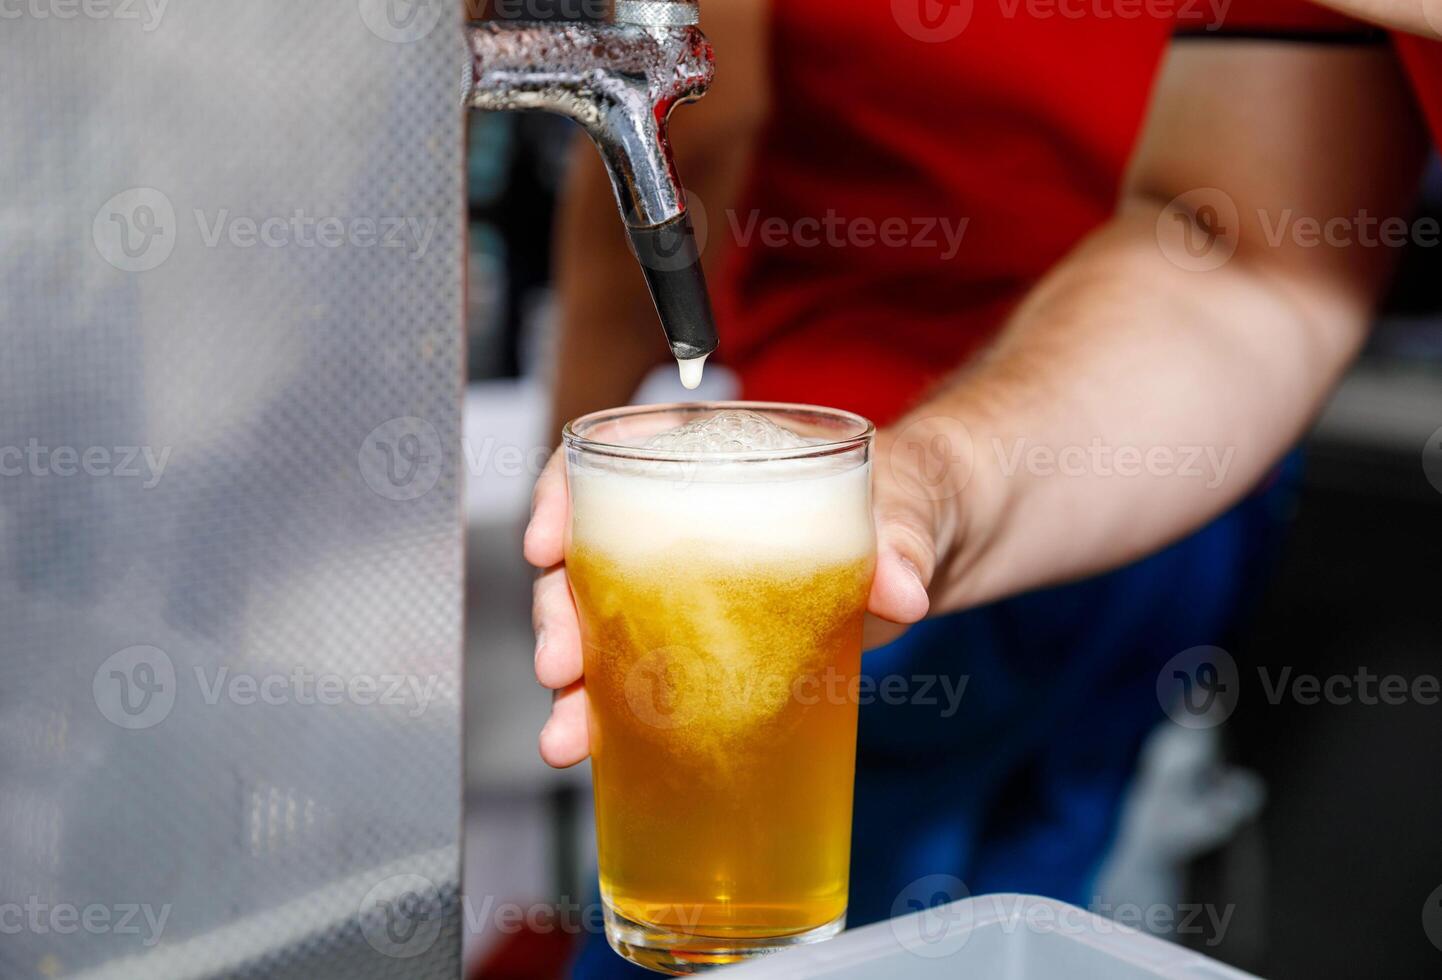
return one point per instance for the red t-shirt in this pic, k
(927, 161)
(1423, 61)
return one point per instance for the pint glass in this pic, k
(720, 556)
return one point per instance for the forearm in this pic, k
(1144, 386)
(1128, 402)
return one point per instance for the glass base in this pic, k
(683, 954)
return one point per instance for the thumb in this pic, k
(905, 563)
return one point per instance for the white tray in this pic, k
(992, 937)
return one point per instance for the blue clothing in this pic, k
(1020, 788)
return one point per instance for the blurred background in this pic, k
(1316, 824)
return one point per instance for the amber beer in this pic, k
(721, 596)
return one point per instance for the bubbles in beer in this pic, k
(730, 431)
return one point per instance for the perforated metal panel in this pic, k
(230, 542)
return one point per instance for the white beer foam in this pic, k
(734, 430)
(808, 509)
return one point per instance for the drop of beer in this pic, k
(691, 371)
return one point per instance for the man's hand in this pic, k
(911, 534)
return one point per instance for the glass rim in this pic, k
(573, 439)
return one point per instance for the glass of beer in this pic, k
(721, 556)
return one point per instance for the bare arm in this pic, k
(1136, 351)
(608, 334)
(1421, 17)
(1123, 345)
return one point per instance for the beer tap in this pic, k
(619, 77)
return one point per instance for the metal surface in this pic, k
(230, 536)
(657, 13)
(619, 81)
